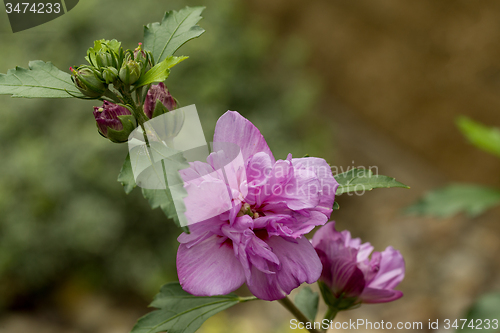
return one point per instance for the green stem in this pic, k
(288, 304)
(330, 315)
(114, 97)
(248, 298)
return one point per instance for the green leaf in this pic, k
(163, 39)
(160, 72)
(358, 180)
(456, 198)
(307, 302)
(335, 205)
(41, 80)
(483, 137)
(163, 198)
(126, 176)
(487, 307)
(181, 312)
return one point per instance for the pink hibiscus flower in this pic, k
(351, 275)
(259, 237)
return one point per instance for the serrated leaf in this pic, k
(357, 180)
(307, 302)
(483, 137)
(486, 307)
(41, 80)
(126, 176)
(181, 312)
(163, 39)
(456, 198)
(160, 72)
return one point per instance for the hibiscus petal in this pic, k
(371, 295)
(209, 268)
(346, 276)
(234, 128)
(391, 272)
(325, 236)
(364, 251)
(298, 263)
(298, 188)
(324, 174)
(206, 200)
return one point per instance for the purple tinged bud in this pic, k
(139, 51)
(161, 93)
(110, 125)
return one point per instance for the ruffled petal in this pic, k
(234, 128)
(328, 184)
(209, 268)
(298, 263)
(391, 271)
(206, 200)
(297, 188)
(325, 236)
(371, 295)
(346, 277)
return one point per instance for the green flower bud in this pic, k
(109, 74)
(105, 53)
(130, 72)
(105, 59)
(88, 82)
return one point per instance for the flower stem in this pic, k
(330, 315)
(288, 304)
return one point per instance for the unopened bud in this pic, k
(88, 82)
(114, 122)
(109, 74)
(158, 92)
(130, 72)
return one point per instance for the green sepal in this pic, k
(340, 303)
(129, 124)
(159, 109)
(104, 46)
(335, 205)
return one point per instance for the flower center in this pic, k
(246, 209)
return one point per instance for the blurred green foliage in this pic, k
(469, 198)
(456, 198)
(481, 136)
(64, 217)
(484, 314)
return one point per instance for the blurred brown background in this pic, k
(376, 83)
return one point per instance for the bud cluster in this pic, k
(110, 76)
(110, 64)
